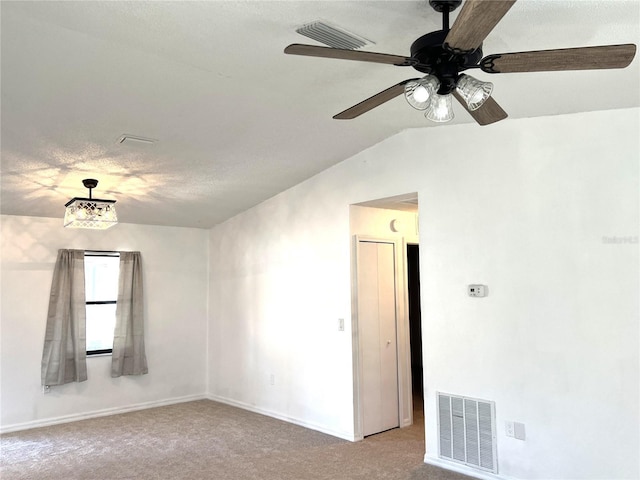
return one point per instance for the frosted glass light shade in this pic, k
(473, 91)
(419, 92)
(440, 109)
(90, 213)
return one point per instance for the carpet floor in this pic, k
(209, 440)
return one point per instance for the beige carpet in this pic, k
(209, 440)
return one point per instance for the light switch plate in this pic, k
(518, 431)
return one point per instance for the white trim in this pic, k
(98, 413)
(207, 352)
(286, 418)
(459, 468)
(358, 419)
(404, 335)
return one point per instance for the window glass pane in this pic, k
(101, 278)
(101, 320)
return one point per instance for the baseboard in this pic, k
(458, 468)
(296, 421)
(98, 413)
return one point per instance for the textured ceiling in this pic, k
(236, 119)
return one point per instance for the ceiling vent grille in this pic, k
(333, 36)
(466, 427)
(126, 138)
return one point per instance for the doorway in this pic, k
(392, 221)
(388, 348)
(415, 328)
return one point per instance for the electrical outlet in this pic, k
(510, 429)
(341, 324)
(272, 379)
(477, 290)
(46, 389)
(515, 430)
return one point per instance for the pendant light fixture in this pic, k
(90, 212)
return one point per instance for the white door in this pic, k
(377, 332)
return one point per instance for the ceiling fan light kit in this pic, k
(91, 213)
(444, 54)
(440, 109)
(473, 91)
(420, 92)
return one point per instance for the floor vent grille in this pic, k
(333, 36)
(467, 433)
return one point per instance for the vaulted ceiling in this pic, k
(236, 120)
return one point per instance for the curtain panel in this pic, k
(64, 353)
(64, 356)
(128, 341)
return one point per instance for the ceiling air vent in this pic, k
(126, 138)
(333, 36)
(466, 427)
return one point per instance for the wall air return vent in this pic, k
(467, 433)
(332, 35)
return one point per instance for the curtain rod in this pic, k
(112, 253)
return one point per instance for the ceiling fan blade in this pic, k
(474, 22)
(372, 102)
(344, 54)
(584, 58)
(490, 112)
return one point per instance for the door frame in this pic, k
(403, 355)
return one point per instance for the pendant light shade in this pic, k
(473, 91)
(419, 92)
(440, 109)
(90, 212)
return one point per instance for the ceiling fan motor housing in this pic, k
(435, 59)
(442, 6)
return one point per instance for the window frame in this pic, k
(99, 253)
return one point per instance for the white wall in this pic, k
(376, 222)
(277, 289)
(175, 279)
(522, 206)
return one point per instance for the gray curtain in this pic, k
(65, 353)
(128, 340)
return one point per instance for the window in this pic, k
(101, 292)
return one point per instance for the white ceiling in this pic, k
(237, 120)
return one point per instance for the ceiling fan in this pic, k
(444, 54)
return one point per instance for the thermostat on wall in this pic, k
(477, 290)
